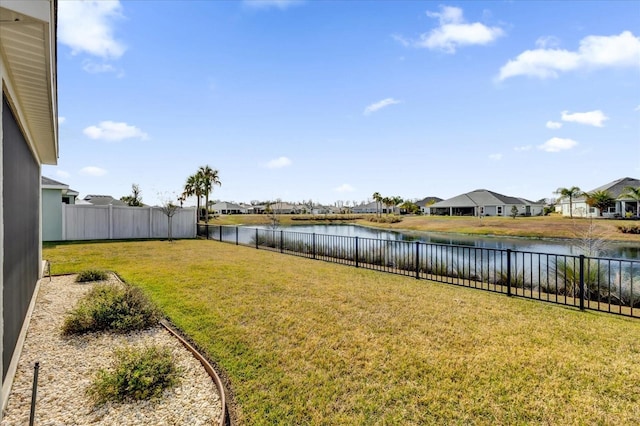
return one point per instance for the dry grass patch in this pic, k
(308, 342)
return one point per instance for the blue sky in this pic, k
(334, 100)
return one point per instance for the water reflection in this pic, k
(613, 249)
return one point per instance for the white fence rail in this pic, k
(83, 222)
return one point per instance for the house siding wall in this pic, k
(21, 230)
(51, 215)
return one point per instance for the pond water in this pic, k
(618, 250)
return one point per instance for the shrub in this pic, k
(631, 229)
(136, 374)
(115, 308)
(89, 275)
(385, 219)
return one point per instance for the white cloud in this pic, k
(345, 187)
(454, 32)
(557, 144)
(92, 171)
(591, 118)
(547, 42)
(620, 50)
(87, 26)
(266, 4)
(637, 108)
(522, 148)
(379, 105)
(400, 39)
(278, 163)
(62, 174)
(61, 120)
(495, 157)
(553, 125)
(94, 68)
(112, 131)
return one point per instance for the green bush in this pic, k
(136, 374)
(89, 275)
(110, 307)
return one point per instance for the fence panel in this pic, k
(608, 285)
(87, 222)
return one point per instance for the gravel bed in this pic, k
(68, 364)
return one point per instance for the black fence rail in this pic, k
(601, 284)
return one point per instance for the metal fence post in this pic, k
(417, 260)
(281, 242)
(256, 238)
(356, 252)
(220, 232)
(314, 245)
(582, 282)
(206, 229)
(508, 272)
(236, 235)
(34, 393)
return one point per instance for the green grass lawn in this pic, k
(308, 342)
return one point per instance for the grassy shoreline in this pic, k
(543, 227)
(308, 342)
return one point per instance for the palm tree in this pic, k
(601, 200)
(396, 201)
(378, 199)
(387, 201)
(209, 177)
(193, 187)
(633, 193)
(570, 194)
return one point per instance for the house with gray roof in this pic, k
(617, 189)
(224, 207)
(54, 195)
(103, 200)
(426, 202)
(482, 202)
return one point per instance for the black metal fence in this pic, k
(602, 284)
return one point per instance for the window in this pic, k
(499, 210)
(592, 209)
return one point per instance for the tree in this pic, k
(633, 193)
(396, 200)
(135, 199)
(193, 187)
(601, 200)
(170, 210)
(570, 194)
(208, 177)
(514, 211)
(378, 199)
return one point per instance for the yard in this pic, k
(308, 342)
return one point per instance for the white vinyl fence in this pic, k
(86, 222)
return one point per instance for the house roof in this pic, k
(48, 183)
(480, 197)
(103, 200)
(223, 205)
(428, 201)
(28, 43)
(52, 184)
(617, 187)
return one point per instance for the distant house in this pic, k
(103, 200)
(482, 202)
(54, 195)
(426, 202)
(28, 139)
(372, 207)
(622, 206)
(228, 208)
